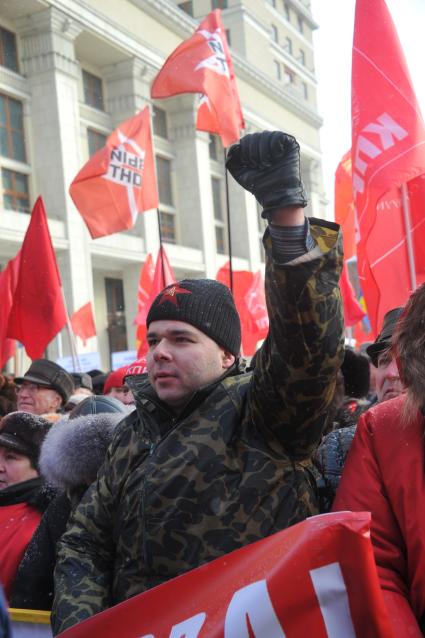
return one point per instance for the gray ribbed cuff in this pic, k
(290, 242)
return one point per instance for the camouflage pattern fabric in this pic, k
(234, 467)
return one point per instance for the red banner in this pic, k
(202, 64)
(388, 133)
(38, 311)
(82, 322)
(118, 182)
(317, 578)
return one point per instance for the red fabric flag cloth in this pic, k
(163, 276)
(250, 303)
(202, 64)
(143, 296)
(388, 133)
(118, 182)
(38, 311)
(82, 322)
(353, 312)
(317, 578)
(344, 205)
(8, 280)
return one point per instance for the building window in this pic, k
(12, 141)
(220, 240)
(301, 58)
(288, 45)
(163, 174)
(228, 37)
(160, 125)
(275, 33)
(93, 90)
(305, 90)
(289, 75)
(217, 195)
(277, 70)
(115, 306)
(168, 227)
(215, 148)
(217, 198)
(15, 191)
(286, 11)
(96, 141)
(300, 24)
(187, 7)
(8, 52)
(218, 4)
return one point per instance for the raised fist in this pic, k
(267, 164)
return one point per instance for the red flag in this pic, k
(249, 298)
(344, 204)
(388, 133)
(143, 296)
(8, 280)
(163, 276)
(202, 64)
(118, 182)
(82, 322)
(353, 312)
(38, 310)
(317, 578)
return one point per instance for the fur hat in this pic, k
(206, 304)
(24, 433)
(74, 449)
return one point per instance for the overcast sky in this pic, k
(333, 47)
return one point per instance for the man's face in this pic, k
(181, 360)
(37, 399)
(14, 468)
(387, 379)
(123, 394)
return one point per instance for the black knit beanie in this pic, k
(204, 303)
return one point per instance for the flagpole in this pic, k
(408, 229)
(229, 233)
(73, 348)
(160, 246)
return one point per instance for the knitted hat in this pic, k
(204, 303)
(24, 433)
(115, 379)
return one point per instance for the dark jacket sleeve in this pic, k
(33, 586)
(295, 373)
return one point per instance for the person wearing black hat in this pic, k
(44, 388)
(22, 495)
(388, 384)
(212, 458)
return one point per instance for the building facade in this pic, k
(72, 70)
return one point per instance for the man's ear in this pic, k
(228, 359)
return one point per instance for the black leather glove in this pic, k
(267, 164)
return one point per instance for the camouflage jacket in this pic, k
(234, 467)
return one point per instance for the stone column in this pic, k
(53, 74)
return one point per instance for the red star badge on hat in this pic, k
(170, 294)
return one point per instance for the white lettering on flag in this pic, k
(216, 62)
(189, 628)
(329, 585)
(126, 168)
(252, 604)
(388, 131)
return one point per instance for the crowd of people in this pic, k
(113, 484)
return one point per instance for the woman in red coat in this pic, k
(23, 497)
(385, 474)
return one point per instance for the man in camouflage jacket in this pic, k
(193, 474)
